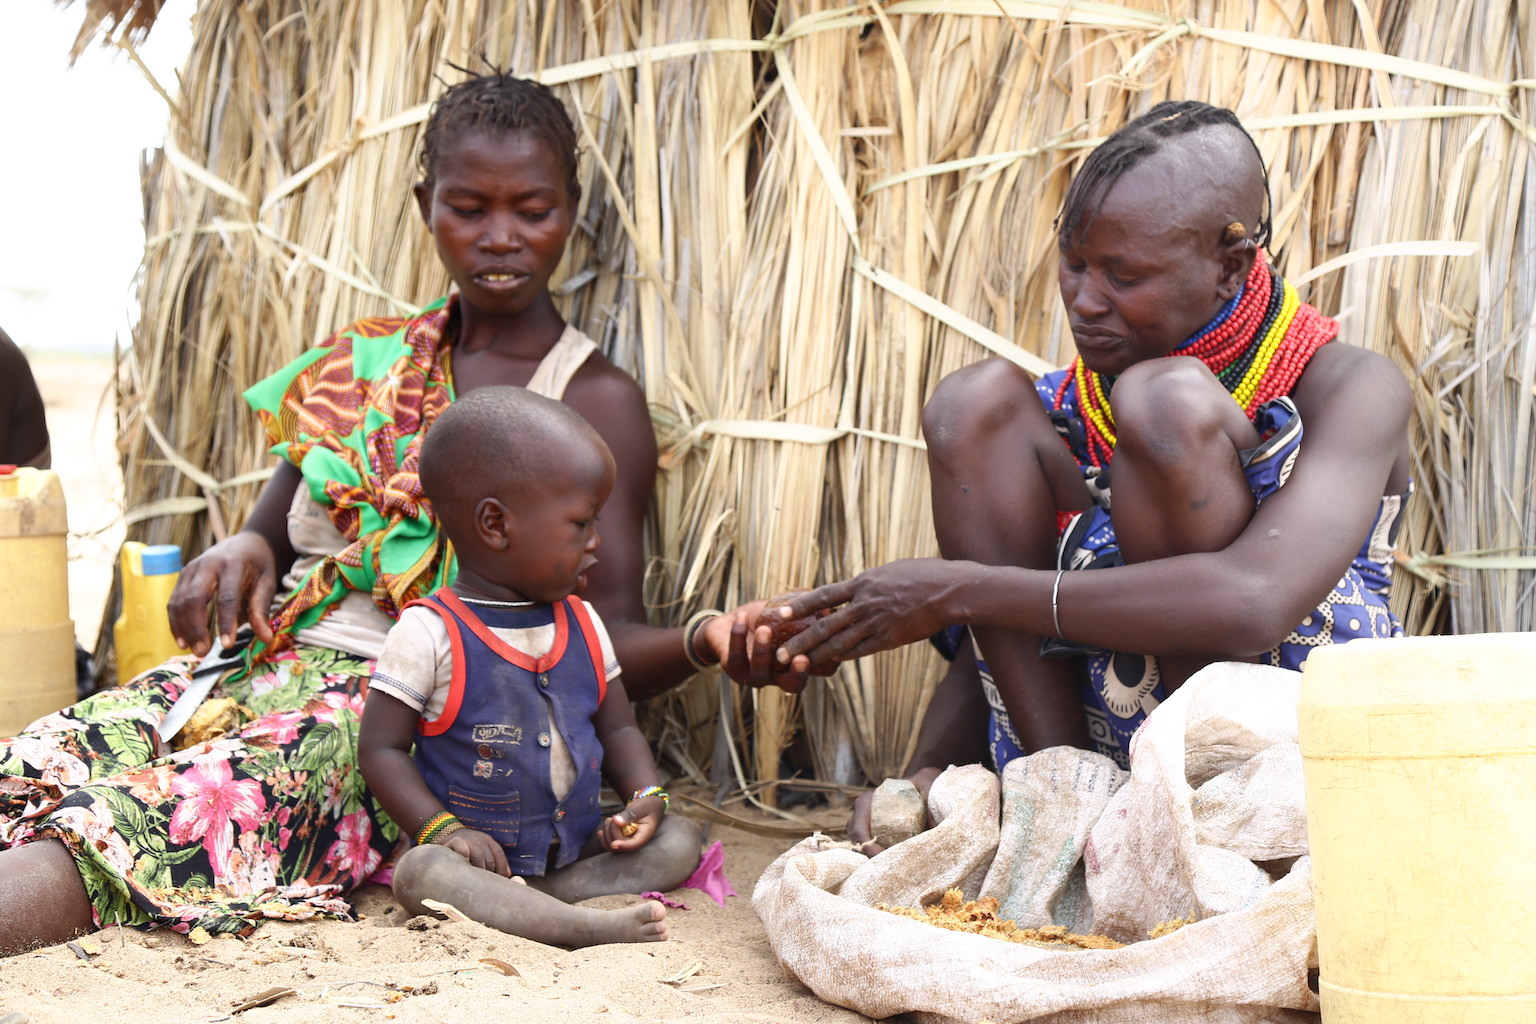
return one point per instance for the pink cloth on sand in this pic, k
(664, 899)
(709, 878)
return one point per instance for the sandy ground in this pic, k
(717, 967)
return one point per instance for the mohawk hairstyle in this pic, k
(498, 103)
(1136, 140)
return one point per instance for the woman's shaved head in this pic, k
(1205, 148)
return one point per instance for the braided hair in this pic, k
(1136, 140)
(498, 104)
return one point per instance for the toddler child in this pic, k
(506, 686)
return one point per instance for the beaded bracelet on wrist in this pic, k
(640, 794)
(436, 827)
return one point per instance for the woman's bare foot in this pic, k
(437, 873)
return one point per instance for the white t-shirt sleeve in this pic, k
(610, 659)
(416, 665)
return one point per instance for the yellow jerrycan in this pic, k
(1419, 760)
(37, 638)
(142, 634)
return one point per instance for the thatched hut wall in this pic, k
(798, 216)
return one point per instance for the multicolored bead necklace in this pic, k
(1256, 346)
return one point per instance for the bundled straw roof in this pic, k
(798, 216)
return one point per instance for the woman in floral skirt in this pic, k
(101, 820)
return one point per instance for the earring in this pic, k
(1234, 232)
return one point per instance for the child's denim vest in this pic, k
(486, 757)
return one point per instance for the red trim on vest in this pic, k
(465, 616)
(500, 646)
(443, 722)
(594, 648)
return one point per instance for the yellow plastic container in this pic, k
(1419, 758)
(142, 634)
(37, 638)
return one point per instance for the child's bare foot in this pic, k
(646, 922)
(438, 873)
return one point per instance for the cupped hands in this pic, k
(746, 653)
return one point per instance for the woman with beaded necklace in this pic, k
(1198, 370)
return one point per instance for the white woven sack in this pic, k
(1068, 838)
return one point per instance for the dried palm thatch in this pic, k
(799, 216)
(123, 22)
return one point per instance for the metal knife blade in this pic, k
(203, 677)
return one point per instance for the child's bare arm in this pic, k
(629, 768)
(384, 756)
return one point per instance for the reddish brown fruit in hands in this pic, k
(781, 629)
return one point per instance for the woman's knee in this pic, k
(973, 404)
(1171, 407)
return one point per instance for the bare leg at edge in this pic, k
(999, 472)
(42, 899)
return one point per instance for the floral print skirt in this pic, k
(271, 820)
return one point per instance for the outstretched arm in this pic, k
(1234, 602)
